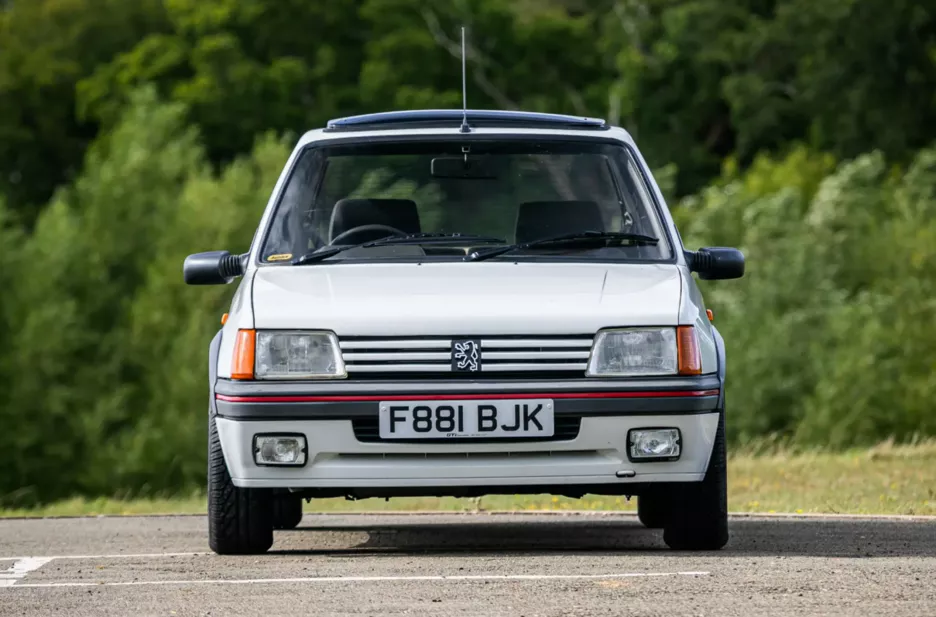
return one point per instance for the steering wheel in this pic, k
(364, 229)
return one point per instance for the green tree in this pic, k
(102, 356)
(672, 59)
(46, 47)
(827, 333)
(539, 56)
(880, 377)
(241, 68)
(848, 75)
(73, 375)
(694, 80)
(701, 79)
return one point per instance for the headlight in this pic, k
(634, 352)
(298, 355)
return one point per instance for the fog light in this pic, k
(280, 450)
(653, 444)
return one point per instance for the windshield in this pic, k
(483, 193)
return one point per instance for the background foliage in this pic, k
(134, 133)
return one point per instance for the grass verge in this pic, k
(885, 479)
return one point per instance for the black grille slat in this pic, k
(367, 430)
(501, 356)
(494, 377)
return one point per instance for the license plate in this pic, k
(466, 419)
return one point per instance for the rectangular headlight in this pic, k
(298, 355)
(284, 450)
(634, 352)
(654, 444)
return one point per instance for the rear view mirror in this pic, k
(212, 268)
(715, 263)
(464, 167)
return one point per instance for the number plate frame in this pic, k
(511, 419)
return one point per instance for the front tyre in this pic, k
(287, 510)
(652, 509)
(698, 515)
(240, 520)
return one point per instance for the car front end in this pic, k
(593, 364)
(428, 311)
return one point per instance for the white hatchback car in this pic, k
(464, 303)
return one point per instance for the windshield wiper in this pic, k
(589, 239)
(420, 238)
(436, 238)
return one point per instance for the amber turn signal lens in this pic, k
(688, 354)
(243, 365)
(710, 314)
(224, 319)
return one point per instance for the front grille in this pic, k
(516, 356)
(367, 430)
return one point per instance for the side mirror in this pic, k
(213, 268)
(715, 263)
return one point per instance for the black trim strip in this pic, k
(564, 407)
(213, 350)
(452, 386)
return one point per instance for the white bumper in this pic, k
(336, 459)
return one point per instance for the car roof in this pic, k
(430, 123)
(453, 118)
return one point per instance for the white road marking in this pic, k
(24, 565)
(370, 579)
(20, 568)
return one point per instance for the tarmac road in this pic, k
(478, 564)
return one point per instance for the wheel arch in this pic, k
(720, 355)
(214, 349)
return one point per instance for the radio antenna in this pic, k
(464, 126)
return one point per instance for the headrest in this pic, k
(544, 219)
(351, 212)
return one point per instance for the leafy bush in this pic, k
(827, 334)
(104, 348)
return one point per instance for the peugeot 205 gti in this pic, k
(466, 303)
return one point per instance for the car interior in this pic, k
(358, 220)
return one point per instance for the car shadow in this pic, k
(817, 537)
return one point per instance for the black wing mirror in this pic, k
(713, 263)
(213, 268)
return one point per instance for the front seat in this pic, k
(349, 213)
(544, 219)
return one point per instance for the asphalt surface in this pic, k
(454, 565)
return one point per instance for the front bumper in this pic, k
(339, 459)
